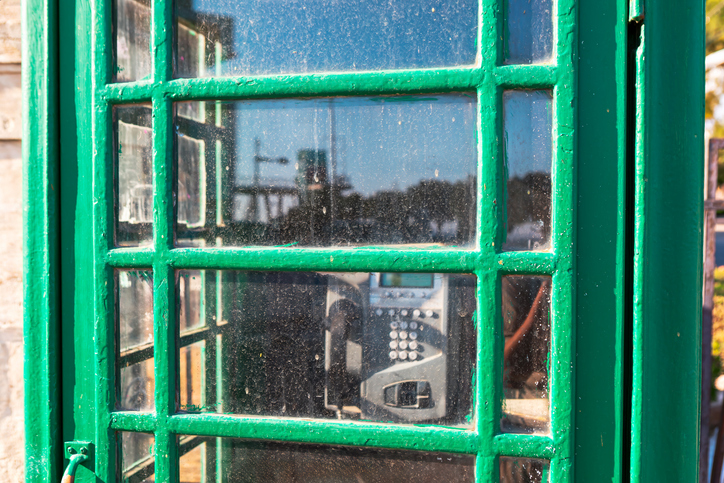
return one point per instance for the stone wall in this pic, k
(11, 267)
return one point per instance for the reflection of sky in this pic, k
(528, 132)
(381, 143)
(272, 36)
(530, 31)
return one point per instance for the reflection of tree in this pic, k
(429, 212)
(529, 200)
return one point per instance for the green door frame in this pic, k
(637, 238)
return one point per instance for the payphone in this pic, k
(399, 346)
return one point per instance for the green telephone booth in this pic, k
(320, 241)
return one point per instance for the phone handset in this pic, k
(343, 324)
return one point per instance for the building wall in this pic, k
(11, 293)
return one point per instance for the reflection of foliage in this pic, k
(416, 215)
(529, 199)
(717, 339)
(715, 42)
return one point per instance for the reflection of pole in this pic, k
(253, 206)
(332, 161)
(258, 159)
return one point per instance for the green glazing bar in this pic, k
(130, 257)
(133, 421)
(563, 205)
(524, 446)
(535, 263)
(541, 76)
(489, 369)
(164, 287)
(326, 84)
(162, 40)
(351, 433)
(318, 259)
(129, 92)
(344, 83)
(41, 307)
(488, 374)
(531, 263)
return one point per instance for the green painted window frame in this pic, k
(50, 28)
(488, 78)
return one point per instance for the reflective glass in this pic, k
(523, 470)
(530, 31)
(191, 370)
(271, 462)
(133, 158)
(132, 39)
(135, 340)
(526, 325)
(193, 458)
(330, 172)
(190, 289)
(338, 345)
(137, 457)
(226, 38)
(529, 156)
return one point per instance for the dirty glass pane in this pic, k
(396, 170)
(529, 155)
(227, 38)
(529, 31)
(193, 458)
(131, 40)
(523, 470)
(191, 371)
(190, 293)
(135, 340)
(527, 329)
(137, 457)
(391, 347)
(133, 156)
(272, 462)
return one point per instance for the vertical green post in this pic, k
(41, 321)
(668, 244)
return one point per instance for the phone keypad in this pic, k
(404, 334)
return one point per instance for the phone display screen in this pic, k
(412, 280)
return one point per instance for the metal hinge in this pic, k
(76, 452)
(635, 10)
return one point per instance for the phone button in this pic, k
(393, 345)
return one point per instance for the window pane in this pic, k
(530, 32)
(224, 37)
(330, 172)
(368, 346)
(132, 35)
(133, 158)
(135, 340)
(529, 156)
(523, 470)
(137, 457)
(194, 459)
(271, 462)
(526, 325)
(191, 370)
